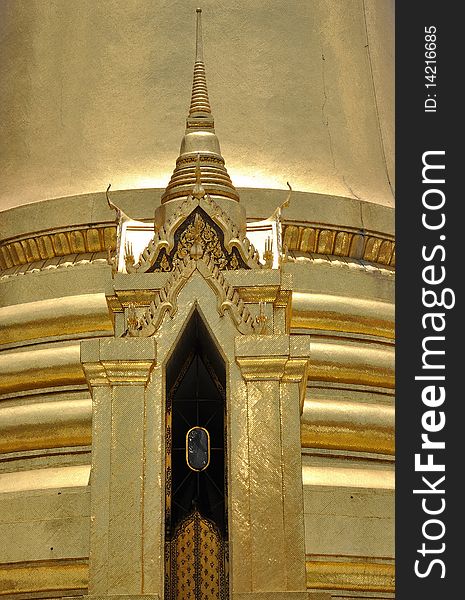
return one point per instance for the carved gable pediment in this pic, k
(199, 228)
(196, 235)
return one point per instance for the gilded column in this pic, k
(274, 367)
(118, 372)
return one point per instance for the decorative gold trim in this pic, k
(353, 576)
(117, 361)
(261, 368)
(202, 236)
(358, 362)
(118, 372)
(59, 262)
(258, 293)
(214, 191)
(51, 244)
(88, 313)
(73, 575)
(376, 248)
(369, 246)
(335, 360)
(165, 300)
(351, 361)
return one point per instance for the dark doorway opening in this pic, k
(196, 489)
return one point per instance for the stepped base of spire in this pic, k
(200, 162)
(213, 175)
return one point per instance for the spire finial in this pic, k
(200, 105)
(198, 37)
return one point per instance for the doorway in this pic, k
(196, 523)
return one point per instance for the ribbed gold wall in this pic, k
(343, 303)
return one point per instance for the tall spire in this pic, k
(199, 101)
(200, 145)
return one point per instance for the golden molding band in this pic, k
(331, 424)
(42, 425)
(73, 575)
(337, 242)
(100, 238)
(46, 576)
(55, 317)
(88, 313)
(357, 362)
(67, 575)
(38, 369)
(341, 313)
(331, 360)
(350, 576)
(348, 425)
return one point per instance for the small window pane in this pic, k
(198, 448)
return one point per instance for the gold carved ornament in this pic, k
(196, 237)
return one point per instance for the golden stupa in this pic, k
(197, 377)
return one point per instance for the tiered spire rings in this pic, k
(200, 144)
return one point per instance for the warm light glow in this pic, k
(136, 182)
(135, 235)
(240, 179)
(257, 180)
(260, 233)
